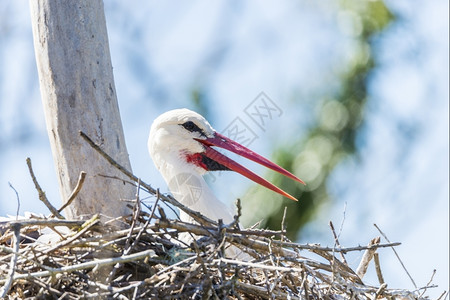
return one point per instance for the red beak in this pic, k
(223, 142)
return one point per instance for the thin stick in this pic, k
(18, 200)
(283, 226)
(396, 254)
(12, 266)
(86, 265)
(376, 260)
(257, 265)
(136, 213)
(343, 219)
(258, 232)
(41, 193)
(237, 216)
(445, 293)
(336, 241)
(51, 223)
(158, 196)
(429, 283)
(118, 178)
(75, 191)
(330, 249)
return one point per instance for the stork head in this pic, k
(184, 138)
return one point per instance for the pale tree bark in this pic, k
(78, 93)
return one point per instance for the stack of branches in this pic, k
(88, 259)
(160, 257)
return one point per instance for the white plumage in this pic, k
(180, 144)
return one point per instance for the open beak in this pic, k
(222, 141)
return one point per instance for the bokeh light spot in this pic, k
(334, 116)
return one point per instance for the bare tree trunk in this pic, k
(78, 93)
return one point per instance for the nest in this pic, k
(149, 260)
(154, 256)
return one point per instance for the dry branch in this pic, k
(367, 257)
(41, 193)
(75, 191)
(396, 254)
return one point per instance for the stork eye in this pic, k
(192, 127)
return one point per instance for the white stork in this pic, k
(180, 144)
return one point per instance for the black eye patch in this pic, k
(192, 127)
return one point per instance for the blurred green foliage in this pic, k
(332, 136)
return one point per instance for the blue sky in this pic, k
(160, 51)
